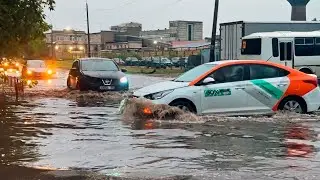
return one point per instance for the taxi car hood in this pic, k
(158, 87)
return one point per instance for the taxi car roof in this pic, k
(240, 62)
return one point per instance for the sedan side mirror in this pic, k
(123, 70)
(208, 80)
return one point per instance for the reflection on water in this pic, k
(67, 134)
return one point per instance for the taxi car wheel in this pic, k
(183, 105)
(293, 104)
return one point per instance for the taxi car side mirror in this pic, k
(208, 80)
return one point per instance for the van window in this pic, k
(305, 47)
(251, 46)
(275, 47)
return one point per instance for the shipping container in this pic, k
(231, 33)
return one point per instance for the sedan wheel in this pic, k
(184, 108)
(183, 105)
(293, 106)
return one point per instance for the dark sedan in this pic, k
(99, 74)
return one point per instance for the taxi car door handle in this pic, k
(240, 88)
(281, 85)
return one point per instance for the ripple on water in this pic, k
(66, 133)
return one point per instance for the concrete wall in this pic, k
(181, 27)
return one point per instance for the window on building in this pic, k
(305, 47)
(190, 32)
(251, 46)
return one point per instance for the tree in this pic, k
(21, 21)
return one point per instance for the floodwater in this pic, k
(63, 133)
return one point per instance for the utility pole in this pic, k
(214, 31)
(52, 48)
(88, 29)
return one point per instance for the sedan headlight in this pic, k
(158, 95)
(124, 80)
(29, 72)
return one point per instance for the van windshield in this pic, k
(194, 73)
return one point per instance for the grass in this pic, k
(67, 64)
(63, 64)
(144, 70)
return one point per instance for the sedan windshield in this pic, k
(98, 65)
(192, 74)
(36, 64)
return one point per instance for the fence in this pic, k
(167, 53)
(11, 86)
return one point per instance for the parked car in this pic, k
(37, 69)
(119, 61)
(166, 62)
(99, 74)
(239, 87)
(132, 61)
(175, 61)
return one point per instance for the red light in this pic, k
(147, 111)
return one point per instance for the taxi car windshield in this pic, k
(194, 73)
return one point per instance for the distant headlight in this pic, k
(29, 72)
(124, 80)
(158, 95)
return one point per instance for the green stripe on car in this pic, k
(269, 88)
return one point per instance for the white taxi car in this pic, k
(238, 87)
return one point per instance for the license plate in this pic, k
(122, 106)
(107, 87)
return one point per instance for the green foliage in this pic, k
(37, 49)
(21, 22)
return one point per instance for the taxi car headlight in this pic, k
(158, 95)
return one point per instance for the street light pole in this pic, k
(52, 48)
(88, 29)
(214, 29)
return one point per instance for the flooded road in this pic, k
(63, 133)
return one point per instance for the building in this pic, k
(68, 43)
(178, 31)
(131, 28)
(98, 41)
(187, 30)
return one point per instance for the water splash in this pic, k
(145, 109)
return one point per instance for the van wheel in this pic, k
(306, 70)
(293, 104)
(183, 105)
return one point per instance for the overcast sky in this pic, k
(156, 14)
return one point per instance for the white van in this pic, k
(299, 50)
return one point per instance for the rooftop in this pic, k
(285, 34)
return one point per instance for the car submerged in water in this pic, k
(239, 87)
(97, 74)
